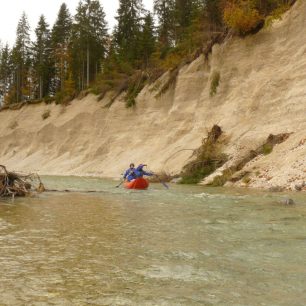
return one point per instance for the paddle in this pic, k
(163, 183)
(124, 180)
(120, 184)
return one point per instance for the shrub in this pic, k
(220, 180)
(267, 148)
(136, 84)
(214, 84)
(241, 16)
(48, 99)
(276, 14)
(196, 175)
(46, 114)
(246, 180)
(208, 158)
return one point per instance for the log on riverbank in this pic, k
(21, 185)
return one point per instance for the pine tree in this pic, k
(60, 40)
(5, 70)
(214, 13)
(128, 30)
(61, 31)
(165, 10)
(89, 41)
(42, 58)
(21, 56)
(147, 39)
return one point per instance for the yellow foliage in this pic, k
(276, 14)
(241, 16)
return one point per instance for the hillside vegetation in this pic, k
(78, 54)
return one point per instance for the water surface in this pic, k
(189, 245)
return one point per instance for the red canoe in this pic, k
(139, 183)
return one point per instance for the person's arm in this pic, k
(148, 173)
(126, 173)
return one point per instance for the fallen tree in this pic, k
(15, 184)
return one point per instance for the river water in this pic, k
(188, 245)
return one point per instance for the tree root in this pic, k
(19, 185)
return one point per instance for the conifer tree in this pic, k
(5, 69)
(61, 31)
(128, 30)
(60, 40)
(147, 39)
(89, 41)
(165, 10)
(21, 57)
(42, 58)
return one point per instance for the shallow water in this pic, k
(189, 245)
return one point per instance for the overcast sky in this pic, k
(11, 10)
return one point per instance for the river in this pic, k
(189, 245)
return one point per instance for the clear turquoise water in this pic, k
(188, 245)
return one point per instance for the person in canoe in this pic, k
(130, 173)
(134, 177)
(140, 172)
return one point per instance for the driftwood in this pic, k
(19, 185)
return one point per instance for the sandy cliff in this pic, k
(262, 91)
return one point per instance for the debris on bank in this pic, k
(207, 158)
(19, 185)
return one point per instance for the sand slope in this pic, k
(262, 91)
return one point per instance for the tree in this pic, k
(147, 39)
(128, 30)
(214, 12)
(5, 70)
(165, 10)
(89, 41)
(61, 31)
(60, 40)
(42, 58)
(21, 57)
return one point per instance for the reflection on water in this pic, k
(183, 246)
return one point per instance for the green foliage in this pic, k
(88, 42)
(208, 158)
(78, 54)
(48, 99)
(42, 58)
(136, 84)
(165, 10)
(198, 174)
(214, 83)
(276, 14)
(59, 97)
(147, 40)
(267, 148)
(128, 31)
(220, 180)
(21, 59)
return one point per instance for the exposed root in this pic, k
(207, 158)
(19, 185)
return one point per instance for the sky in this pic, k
(11, 11)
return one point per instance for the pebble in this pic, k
(287, 201)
